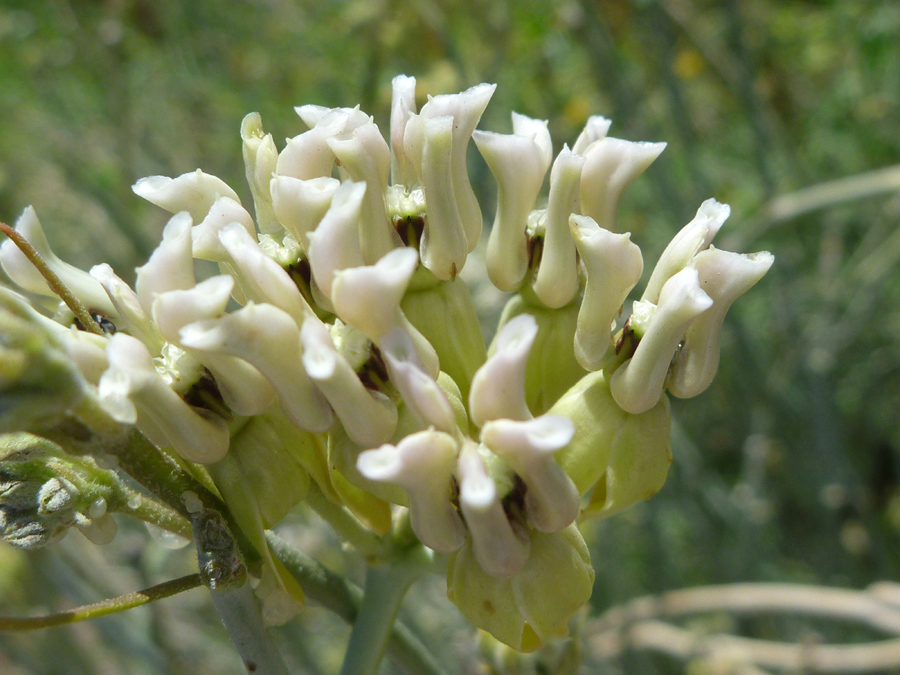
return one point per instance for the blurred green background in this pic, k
(786, 469)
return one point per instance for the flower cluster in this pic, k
(338, 346)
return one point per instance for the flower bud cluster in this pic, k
(44, 493)
(338, 345)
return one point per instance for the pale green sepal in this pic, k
(274, 477)
(627, 454)
(371, 511)
(343, 453)
(241, 493)
(308, 449)
(597, 419)
(638, 463)
(461, 351)
(532, 607)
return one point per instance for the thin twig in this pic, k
(788, 207)
(104, 607)
(342, 597)
(821, 658)
(834, 603)
(54, 282)
(637, 625)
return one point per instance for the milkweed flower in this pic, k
(338, 345)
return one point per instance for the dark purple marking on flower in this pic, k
(204, 396)
(410, 229)
(301, 274)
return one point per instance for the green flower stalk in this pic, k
(337, 353)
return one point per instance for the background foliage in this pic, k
(787, 469)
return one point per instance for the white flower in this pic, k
(368, 417)
(300, 205)
(498, 387)
(724, 276)
(551, 499)
(638, 383)
(613, 266)
(501, 549)
(444, 245)
(519, 162)
(269, 339)
(334, 245)
(556, 283)
(260, 161)
(171, 266)
(690, 240)
(422, 464)
(193, 192)
(132, 385)
(611, 165)
(25, 274)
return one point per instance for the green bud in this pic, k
(44, 492)
(624, 457)
(260, 158)
(552, 368)
(532, 607)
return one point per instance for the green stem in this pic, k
(151, 511)
(343, 598)
(90, 430)
(105, 607)
(224, 573)
(346, 526)
(239, 611)
(330, 590)
(385, 588)
(133, 453)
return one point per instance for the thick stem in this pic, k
(386, 587)
(343, 598)
(224, 573)
(239, 611)
(330, 590)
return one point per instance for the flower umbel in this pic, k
(338, 353)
